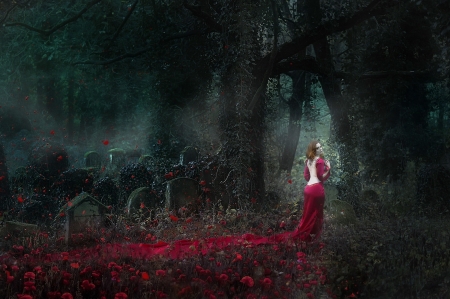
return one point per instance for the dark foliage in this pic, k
(133, 176)
(433, 189)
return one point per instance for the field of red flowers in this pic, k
(201, 256)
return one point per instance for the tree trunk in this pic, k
(70, 108)
(4, 182)
(295, 116)
(341, 131)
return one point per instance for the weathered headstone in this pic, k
(116, 157)
(49, 160)
(19, 229)
(133, 156)
(188, 154)
(92, 159)
(82, 212)
(181, 192)
(342, 212)
(142, 201)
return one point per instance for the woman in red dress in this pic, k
(317, 170)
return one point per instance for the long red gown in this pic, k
(310, 226)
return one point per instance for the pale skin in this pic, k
(312, 166)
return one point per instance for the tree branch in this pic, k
(330, 27)
(118, 58)
(308, 64)
(209, 20)
(140, 52)
(62, 24)
(116, 34)
(7, 13)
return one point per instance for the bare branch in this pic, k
(208, 19)
(7, 13)
(59, 26)
(116, 34)
(140, 52)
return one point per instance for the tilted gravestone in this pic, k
(342, 212)
(188, 154)
(142, 201)
(92, 159)
(182, 192)
(82, 212)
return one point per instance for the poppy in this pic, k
(160, 273)
(121, 295)
(145, 276)
(173, 218)
(248, 281)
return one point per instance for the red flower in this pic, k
(66, 296)
(105, 142)
(310, 295)
(9, 279)
(145, 276)
(267, 282)
(289, 181)
(251, 296)
(29, 275)
(185, 291)
(87, 285)
(300, 254)
(24, 296)
(161, 273)
(161, 295)
(173, 218)
(352, 296)
(202, 183)
(223, 277)
(121, 295)
(168, 175)
(248, 281)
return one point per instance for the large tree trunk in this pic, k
(295, 103)
(341, 130)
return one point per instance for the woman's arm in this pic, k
(323, 173)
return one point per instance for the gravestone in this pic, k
(182, 192)
(116, 157)
(49, 160)
(133, 156)
(19, 229)
(82, 212)
(92, 159)
(188, 154)
(342, 212)
(142, 202)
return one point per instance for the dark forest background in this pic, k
(233, 78)
(243, 82)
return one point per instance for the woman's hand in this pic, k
(327, 164)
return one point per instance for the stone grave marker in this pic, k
(92, 159)
(188, 154)
(82, 212)
(142, 201)
(182, 192)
